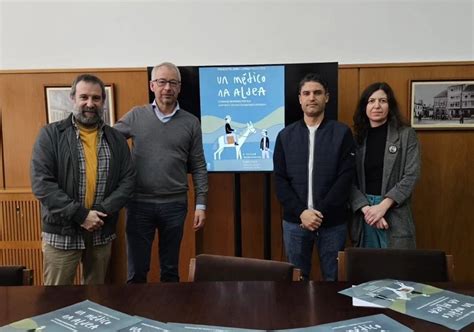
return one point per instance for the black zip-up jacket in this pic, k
(55, 179)
(333, 170)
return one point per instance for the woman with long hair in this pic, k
(388, 166)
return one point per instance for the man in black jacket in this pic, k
(82, 174)
(314, 167)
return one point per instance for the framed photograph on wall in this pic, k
(59, 104)
(442, 104)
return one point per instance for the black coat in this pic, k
(333, 170)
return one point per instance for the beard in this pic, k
(88, 116)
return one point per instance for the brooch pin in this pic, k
(392, 149)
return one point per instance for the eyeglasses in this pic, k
(162, 82)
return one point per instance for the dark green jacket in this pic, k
(55, 179)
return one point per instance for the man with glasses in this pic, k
(167, 144)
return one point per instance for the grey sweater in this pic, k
(164, 153)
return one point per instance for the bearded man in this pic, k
(82, 174)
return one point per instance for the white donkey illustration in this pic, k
(222, 142)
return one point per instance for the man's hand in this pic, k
(93, 221)
(311, 219)
(199, 217)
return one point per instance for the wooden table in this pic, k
(256, 305)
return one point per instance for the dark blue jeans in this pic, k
(142, 221)
(299, 244)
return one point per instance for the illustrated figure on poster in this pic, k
(229, 131)
(380, 296)
(265, 145)
(404, 291)
(222, 142)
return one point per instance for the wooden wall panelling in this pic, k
(442, 201)
(22, 102)
(348, 95)
(20, 242)
(188, 244)
(20, 232)
(217, 237)
(221, 215)
(2, 178)
(28, 257)
(23, 113)
(278, 250)
(399, 76)
(252, 188)
(117, 273)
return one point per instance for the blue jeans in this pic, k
(142, 221)
(299, 245)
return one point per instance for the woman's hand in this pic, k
(381, 224)
(372, 214)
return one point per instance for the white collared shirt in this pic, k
(312, 138)
(164, 117)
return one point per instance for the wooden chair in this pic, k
(227, 268)
(15, 276)
(365, 264)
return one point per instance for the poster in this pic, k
(242, 111)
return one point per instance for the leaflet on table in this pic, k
(436, 305)
(375, 323)
(206, 328)
(79, 317)
(361, 303)
(147, 325)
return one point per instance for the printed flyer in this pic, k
(436, 305)
(375, 323)
(79, 317)
(147, 325)
(205, 328)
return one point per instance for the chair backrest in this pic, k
(15, 276)
(227, 268)
(363, 264)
